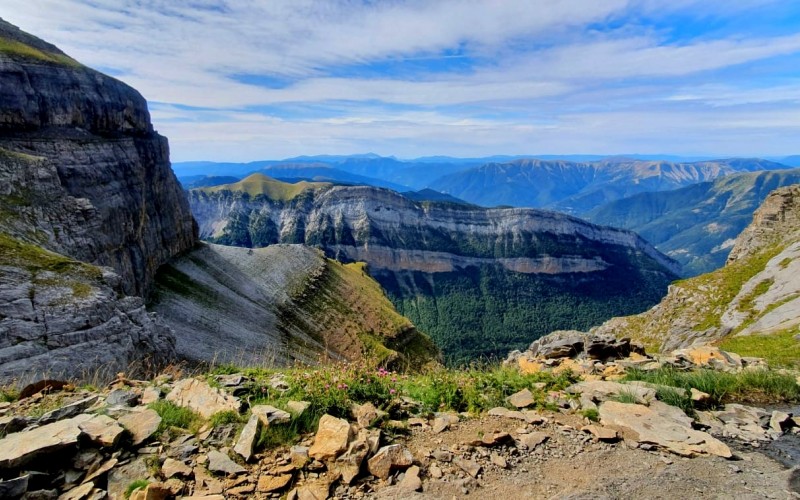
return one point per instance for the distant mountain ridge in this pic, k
(477, 280)
(696, 225)
(577, 188)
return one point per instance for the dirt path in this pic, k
(571, 464)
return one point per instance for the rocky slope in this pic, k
(279, 305)
(756, 293)
(85, 181)
(696, 225)
(518, 271)
(578, 187)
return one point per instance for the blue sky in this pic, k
(248, 80)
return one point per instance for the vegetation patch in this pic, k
(756, 386)
(779, 349)
(19, 49)
(139, 484)
(261, 185)
(173, 415)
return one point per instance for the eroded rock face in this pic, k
(82, 174)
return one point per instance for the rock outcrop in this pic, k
(85, 188)
(444, 263)
(757, 292)
(83, 173)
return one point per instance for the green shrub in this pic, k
(592, 414)
(626, 396)
(225, 417)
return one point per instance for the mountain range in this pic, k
(479, 281)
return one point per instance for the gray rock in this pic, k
(270, 415)
(68, 411)
(247, 439)
(119, 397)
(219, 462)
(14, 488)
(522, 399)
(388, 459)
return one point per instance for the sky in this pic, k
(243, 80)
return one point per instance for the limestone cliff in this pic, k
(85, 188)
(478, 280)
(757, 292)
(97, 185)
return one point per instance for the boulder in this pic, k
(22, 448)
(333, 435)
(411, 480)
(102, 430)
(388, 459)
(706, 356)
(779, 421)
(522, 399)
(663, 426)
(220, 462)
(140, 424)
(200, 397)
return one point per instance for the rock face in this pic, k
(101, 189)
(82, 174)
(279, 305)
(757, 292)
(430, 255)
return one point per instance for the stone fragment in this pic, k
(498, 460)
(268, 484)
(522, 399)
(247, 439)
(270, 415)
(103, 469)
(699, 396)
(14, 488)
(204, 497)
(706, 356)
(532, 417)
(150, 395)
(779, 421)
(442, 455)
(332, 437)
(102, 430)
(661, 425)
(120, 477)
(120, 397)
(440, 424)
(206, 484)
(365, 414)
(21, 448)
(220, 462)
(298, 455)
(551, 347)
(469, 466)
(491, 439)
(153, 491)
(68, 411)
(233, 380)
(200, 397)
(349, 463)
(388, 459)
(601, 433)
(78, 493)
(411, 480)
(140, 424)
(172, 468)
(13, 423)
(314, 490)
(435, 471)
(533, 439)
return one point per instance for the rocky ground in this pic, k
(60, 442)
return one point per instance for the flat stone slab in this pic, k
(200, 397)
(141, 424)
(102, 430)
(220, 462)
(603, 390)
(662, 425)
(21, 448)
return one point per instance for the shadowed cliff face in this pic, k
(478, 280)
(85, 182)
(94, 146)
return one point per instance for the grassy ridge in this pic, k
(15, 48)
(261, 185)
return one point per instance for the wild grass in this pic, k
(778, 349)
(8, 394)
(592, 414)
(626, 396)
(174, 416)
(225, 417)
(139, 484)
(755, 386)
(13, 47)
